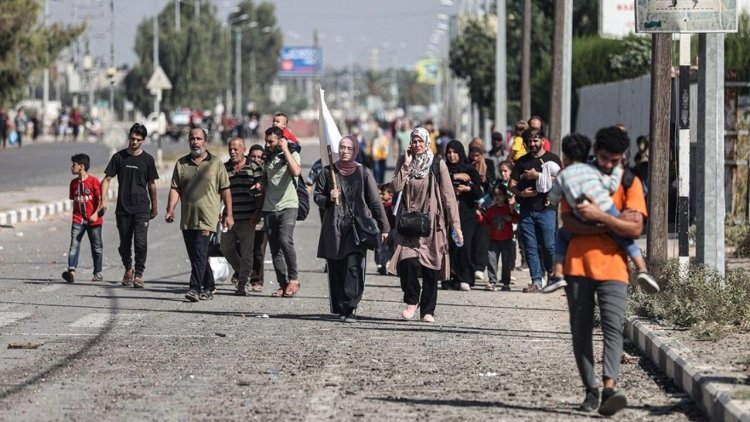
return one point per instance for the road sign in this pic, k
(616, 18)
(278, 93)
(301, 61)
(159, 80)
(686, 16)
(428, 71)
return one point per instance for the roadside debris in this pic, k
(29, 345)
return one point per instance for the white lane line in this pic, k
(129, 335)
(100, 320)
(7, 318)
(51, 288)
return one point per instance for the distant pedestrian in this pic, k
(425, 186)
(247, 183)
(282, 168)
(538, 218)
(3, 127)
(200, 181)
(76, 121)
(358, 195)
(597, 272)
(136, 202)
(20, 123)
(86, 194)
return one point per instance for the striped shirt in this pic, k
(245, 202)
(580, 179)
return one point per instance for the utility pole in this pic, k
(112, 71)
(559, 116)
(683, 199)
(711, 209)
(526, 61)
(661, 94)
(177, 15)
(197, 10)
(238, 71)
(501, 71)
(45, 77)
(157, 98)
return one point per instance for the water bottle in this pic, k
(454, 235)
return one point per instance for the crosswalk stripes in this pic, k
(7, 318)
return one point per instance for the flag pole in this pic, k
(333, 171)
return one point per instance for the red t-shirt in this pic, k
(500, 228)
(86, 196)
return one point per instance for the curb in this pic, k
(711, 396)
(40, 212)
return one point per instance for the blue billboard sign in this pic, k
(300, 61)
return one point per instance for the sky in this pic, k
(348, 30)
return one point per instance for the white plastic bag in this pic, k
(221, 269)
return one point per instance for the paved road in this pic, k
(112, 353)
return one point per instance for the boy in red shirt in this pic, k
(500, 217)
(85, 191)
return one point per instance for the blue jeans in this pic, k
(564, 236)
(538, 231)
(95, 237)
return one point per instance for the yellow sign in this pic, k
(428, 71)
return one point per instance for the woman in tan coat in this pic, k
(425, 185)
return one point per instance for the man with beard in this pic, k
(538, 218)
(200, 181)
(136, 201)
(282, 167)
(246, 182)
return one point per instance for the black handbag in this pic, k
(365, 229)
(415, 223)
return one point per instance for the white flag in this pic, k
(329, 132)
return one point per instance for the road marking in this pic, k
(11, 317)
(129, 335)
(100, 320)
(50, 288)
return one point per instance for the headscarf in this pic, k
(420, 164)
(463, 165)
(480, 165)
(346, 168)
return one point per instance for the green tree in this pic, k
(472, 58)
(190, 58)
(737, 49)
(261, 45)
(26, 46)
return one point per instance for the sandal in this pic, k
(278, 293)
(291, 289)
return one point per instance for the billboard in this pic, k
(428, 71)
(686, 16)
(300, 62)
(616, 18)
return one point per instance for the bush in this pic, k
(702, 300)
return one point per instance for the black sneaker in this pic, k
(612, 402)
(505, 288)
(591, 402)
(69, 276)
(554, 284)
(192, 296)
(206, 295)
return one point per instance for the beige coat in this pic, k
(441, 205)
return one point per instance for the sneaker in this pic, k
(408, 313)
(647, 282)
(591, 402)
(490, 287)
(382, 270)
(206, 295)
(192, 296)
(138, 281)
(554, 284)
(350, 318)
(241, 292)
(428, 318)
(464, 287)
(479, 275)
(342, 317)
(127, 278)
(97, 277)
(612, 402)
(532, 288)
(505, 288)
(69, 276)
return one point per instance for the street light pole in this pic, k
(238, 71)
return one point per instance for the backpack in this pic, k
(304, 198)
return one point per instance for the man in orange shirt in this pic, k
(597, 266)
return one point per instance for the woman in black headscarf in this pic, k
(467, 187)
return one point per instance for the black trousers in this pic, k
(480, 247)
(259, 255)
(201, 275)
(462, 270)
(346, 283)
(409, 271)
(133, 229)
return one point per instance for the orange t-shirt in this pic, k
(598, 256)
